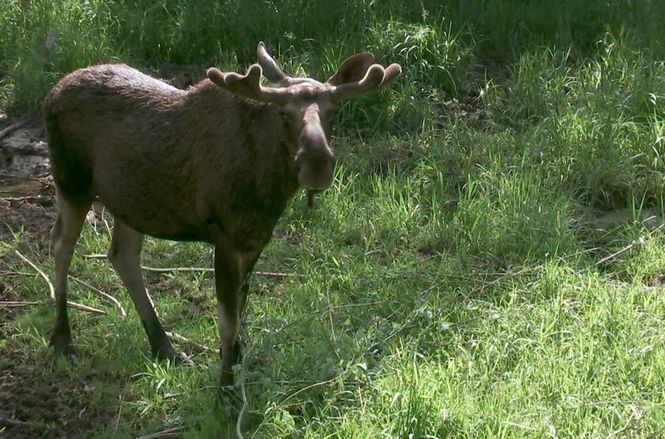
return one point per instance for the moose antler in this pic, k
(248, 85)
(356, 76)
(376, 76)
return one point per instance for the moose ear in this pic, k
(353, 69)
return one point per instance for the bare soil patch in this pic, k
(26, 189)
(36, 400)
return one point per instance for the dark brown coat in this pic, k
(215, 163)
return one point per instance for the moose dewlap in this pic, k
(215, 163)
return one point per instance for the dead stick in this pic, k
(6, 422)
(41, 273)
(275, 274)
(173, 336)
(192, 269)
(206, 270)
(11, 128)
(107, 296)
(640, 240)
(169, 432)
(18, 303)
(177, 269)
(52, 290)
(27, 198)
(96, 256)
(85, 308)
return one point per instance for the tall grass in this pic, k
(450, 283)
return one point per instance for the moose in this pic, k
(215, 163)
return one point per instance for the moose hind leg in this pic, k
(64, 234)
(125, 255)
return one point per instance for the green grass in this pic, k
(453, 281)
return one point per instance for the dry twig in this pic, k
(52, 290)
(96, 256)
(168, 433)
(607, 258)
(173, 336)
(107, 296)
(209, 270)
(36, 198)
(6, 422)
(18, 303)
(177, 269)
(40, 272)
(11, 128)
(192, 269)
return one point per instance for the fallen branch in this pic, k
(107, 296)
(638, 241)
(36, 198)
(6, 422)
(85, 308)
(173, 336)
(18, 303)
(96, 256)
(177, 269)
(209, 270)
(11, 128)
(192, 269)
(169, 432)
(41, 273)
(52, 290)
(275, 274)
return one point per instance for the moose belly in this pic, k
(155, 214)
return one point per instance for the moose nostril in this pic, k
(315, 174)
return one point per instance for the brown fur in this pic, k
(215, 163)
(170, 163)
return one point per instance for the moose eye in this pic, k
(285, 116)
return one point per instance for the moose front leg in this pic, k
(228, 279)
(246, 267)
(247, 263)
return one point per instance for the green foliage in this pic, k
(451, 282)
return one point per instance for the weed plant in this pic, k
(455, 281)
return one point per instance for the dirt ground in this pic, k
(26, 188)
(34, 403)
(34, 400)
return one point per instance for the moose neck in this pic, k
(253, 150)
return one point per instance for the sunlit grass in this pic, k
(454, 281)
